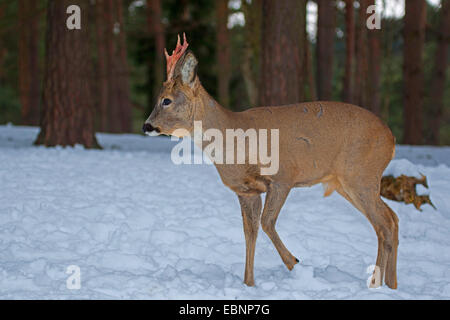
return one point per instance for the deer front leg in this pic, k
(251, 213)
(275, 198)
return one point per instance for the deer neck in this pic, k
(211, 113)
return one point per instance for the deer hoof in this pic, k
(250, 283)
(375, 281)
(290, 265)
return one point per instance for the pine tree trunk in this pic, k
(309, 74)
(361, 68)
(304, 51)
(252, 48)
(156, 30)
(113, 120)
(374, 86)
(349, 50)
(67, 110)
(115, 92)
(2, 47)
(326, 25)
(223, 52)
(29, 80)
(282, 77)
(414, 33)
(435, 110)
(102, 61)
(122, 76)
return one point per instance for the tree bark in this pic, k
(414, 34)
(122, 89)
(112, 116)
(29, 80)
(67, 110)
(223, 52)
(435, 110)
(252, 48)
(309, 94)
(374, 87)
(156, 30)
(2, 46)
(282, 77)
(349, 50)
(361, 68)
(102, 65)
(114, 97)
(326, 25)
(309, 73)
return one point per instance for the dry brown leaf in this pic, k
(403, 188)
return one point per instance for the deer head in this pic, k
(176, 102)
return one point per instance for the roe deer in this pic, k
(340, 145)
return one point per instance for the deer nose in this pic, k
(147, 127)
(151, 130)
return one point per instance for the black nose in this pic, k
(147, 127)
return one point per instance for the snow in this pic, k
(138, 226)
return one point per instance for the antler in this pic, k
(176, 55)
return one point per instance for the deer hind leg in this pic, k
(251, 213)
(391, 265)
(275, 198)
(366, 198)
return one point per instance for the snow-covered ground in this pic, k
(139, 226)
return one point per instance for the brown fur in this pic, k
(340, 145)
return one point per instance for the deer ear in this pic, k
(188, 68)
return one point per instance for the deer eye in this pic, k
(166, 102)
